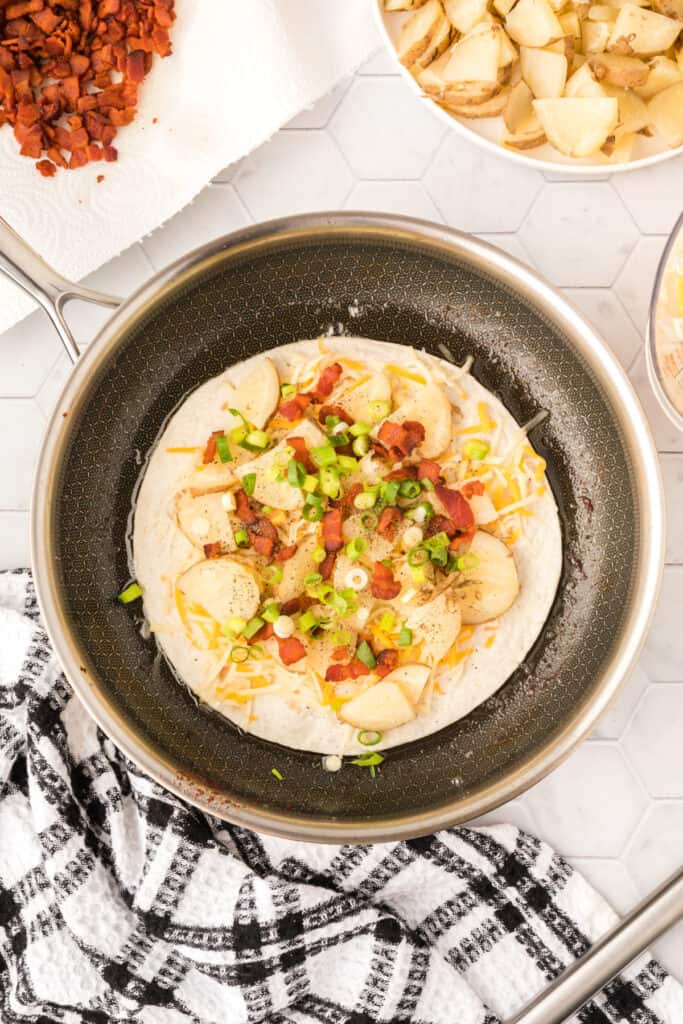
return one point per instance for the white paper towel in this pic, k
(240, 70)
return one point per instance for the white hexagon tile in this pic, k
(616, 805)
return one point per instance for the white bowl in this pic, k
(487, 131)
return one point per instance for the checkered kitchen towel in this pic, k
(120, 903)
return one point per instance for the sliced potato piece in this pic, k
(223, 587)
(474, 58)
(493, 107)
(429, 405)
(295, 570)
(583, 84)
(489, 589)
(594, 36)
(508, 51)
(433, 78)
(412, 679)
(525, 140)
(437, 624)
(258, 394)
(602, 12)
(663, 73)
(438, 42)
(577, 127)
(417, 32)
(633, 113)
(626, 72)
(638, 30)
(571, 26)
(545, 73)
(280, 494)
(402, 5)
(384, 706)
(619, 151)
(503, 7)
(356, 401)
(465, 14)
(204, 519)
(666, 113)
(533, 23)
(519, 115)
(671, 8)
(565, 46)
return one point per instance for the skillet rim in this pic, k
(617, 389)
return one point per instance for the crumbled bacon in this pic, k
(401, 438)
(332, 530)
(346, 500)
(62, 58)
(339, 653)
(387, 660)
(327, 381)
(473, 487)
(439, 524)
(389, 521)
(463, 538)
(301, 453)
(212, 550)
(353, 670)
(334, 410)
(456, 505)
(284, 554)
(383, 586)
(296, 605)
(243, 509)
(327, 565)
(263, 536)
(210, 447)
(290, 650)
(428, 470)
(265, 633)
(402, 473)
(294, 408)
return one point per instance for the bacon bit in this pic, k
(332, 530)
(383, 586)
(387, 660)
(263, 536)
(135, 66)
(46, 168)
(265, 633)
(353, 670)
(388, 522)
(244, 511)
(301, 453)
(439, 524)
(334, 410)
(286, 553)
(463, 538)
(210, 449)
(99, 179)
(401, 438)
(294, 408)
(262, 545)
(472, 488)
(339, 653)
(290, 650)
(404, 473)
(327, 565)
(212, 550)
(428, 470)
(296, 605)
(346, 500)
(378, 449)
(327, 382)
(456, 506)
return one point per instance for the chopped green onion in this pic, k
(476, 450)
(336, 600)
(331, 422)
(252, 627)
(313, 508)
(245, 422)
(271, 573)
(321, 591)
(307, 621)
(379, 410)
(338, 440)
(387, 622)
(224, 453)
(287, 390)
(451, 565)
(239, 654)
(312, 579)
(409, 488)
(238, 434)
(296, 473)
(405, 636)
(439, 540)
(417, 555)
(242, 539)
(249, 483)
(131, 593)
(369, 520)
(427, 508)
(466, 562)
(369, 760)
(273, 473)
(267, 510)
(329, 482)
(360, 429)
(364, 654)
(319, 555)
(310, 483)
(278, 775)
(235, 625)
(347, 464)
(356, 547)
(271, 612)
(369, 737)
(366, 499)
(256, 651)
(342, 637)
(361, 446)
(324, 455)
(389, 491)
(256, 440)
(427, 484)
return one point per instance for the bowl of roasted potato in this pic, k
(549, 82)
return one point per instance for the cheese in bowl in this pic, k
(345, 544)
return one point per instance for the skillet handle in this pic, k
(52, 291)
(611, 954)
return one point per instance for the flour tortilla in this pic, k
(296, 719)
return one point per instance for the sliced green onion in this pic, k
(319, 555)
(287, 390)
(364, 654)
(256, 651)
(271, 573)
(313, 508)
(252, 627)
(379, 410)
(329, 482)
(324, 455)
(267, 510)
(307, 621)
(409, 488)
(131, 593)
(356, 547)
(238, 434)
(271, 612)
(338, 440)
(435, 543)
(476, 450)
(245, 422)
(273, 473)
(466, 562)
(296, 473)
(405, 636)
(256, 440)
(236, 625)
(312, 579)
(427, 508)
(310, 483)
(342, 637)
(249, 483)
(224, 453)
(331, 422)
(451, 565)
(361, 446)
(322, 592)
(369, 520)
(360, 429)
(427, 484)
(239, 654)
(336, 600)
(389, 491)
(278, 775)
(417, 555)
(369, 760)
(366, 499)
(242, 539)
(347, 464)
(387, 622)
(369, 737)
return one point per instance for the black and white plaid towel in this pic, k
(120, 903)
